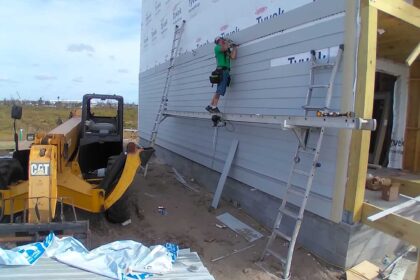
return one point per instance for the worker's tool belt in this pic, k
(217, 75)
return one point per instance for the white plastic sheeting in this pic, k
(401, 72)
(205, 20)
(117, 260)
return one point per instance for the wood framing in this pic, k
(393, 224)
(412, 133)
(399, 9)
(409, 187)
(397, 39)
(413, 55)
(418, 267)
(366, 68)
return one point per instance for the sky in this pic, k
(67, 48)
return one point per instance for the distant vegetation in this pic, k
(43, 116)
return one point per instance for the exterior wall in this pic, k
(265, 152)
(206, 20)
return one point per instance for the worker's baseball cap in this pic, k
(217, 39)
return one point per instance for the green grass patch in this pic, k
(44, 118)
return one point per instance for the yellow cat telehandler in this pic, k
(80, 163)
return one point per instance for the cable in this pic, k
(215, 133)
(229, 123)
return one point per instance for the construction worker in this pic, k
(224, 52)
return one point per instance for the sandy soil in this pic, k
(189, 224)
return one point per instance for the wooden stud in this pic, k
(393, 224)
(413, 55)
(382, 126)
(411, 158)
(399, 9)
(359, 148)
(418, 265)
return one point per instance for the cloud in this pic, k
(80, 48)
(77, 80)
(122, 70)
(45, 77)
(111, 82)
(51, 44)
(7, 80)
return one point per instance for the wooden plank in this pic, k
(411, 159)
(418, 266)
(393, 224)
(383, 126)
(225, 173)
(394, 209)
(359, 147)
(409, 187)
(413, 56)
(399, 9)
(398, 40)
(363, 271)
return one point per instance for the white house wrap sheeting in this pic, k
(117, 260)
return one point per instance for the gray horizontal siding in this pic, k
(265, 152)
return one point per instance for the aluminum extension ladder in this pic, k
(303, 134)
(179, 30)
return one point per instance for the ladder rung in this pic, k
(319, 86)
(282, 235)
(290, 213)
(323, 65)
(302, 172)
(277, 256)
(296, 192)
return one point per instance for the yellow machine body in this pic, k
(42, 187)
(54, 175)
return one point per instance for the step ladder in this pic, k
(315, 66)
(179, 30)
(303, 153)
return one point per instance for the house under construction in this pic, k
(267, 141)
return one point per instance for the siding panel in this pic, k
(265, 152)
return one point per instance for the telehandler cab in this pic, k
(80, 163)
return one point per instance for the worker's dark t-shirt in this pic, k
(222, 58)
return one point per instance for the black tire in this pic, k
(10, 172)
(120, 211)
(113, 172)
(110, 162)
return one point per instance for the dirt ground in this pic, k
(189, 224)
